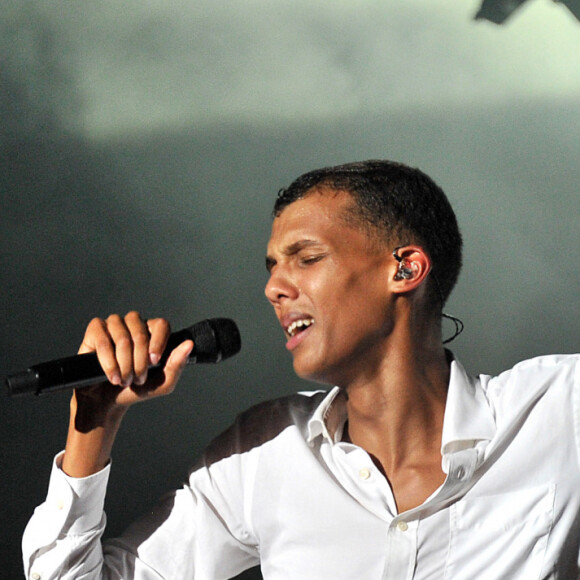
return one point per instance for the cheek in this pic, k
(365, 306)
(346, 293)
(362, 291)
(321, 288)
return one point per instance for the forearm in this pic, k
(90, 441)
(64, 533)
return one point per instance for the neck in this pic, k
(396, 414)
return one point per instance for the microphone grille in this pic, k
(215, 340)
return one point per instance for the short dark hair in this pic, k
(400, 203)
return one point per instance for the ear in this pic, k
(411, 266)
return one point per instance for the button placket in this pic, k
(401, 549)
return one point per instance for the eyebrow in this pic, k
(291, 250)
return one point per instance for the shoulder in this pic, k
(540, 370)
(263, 423)
(532, 379)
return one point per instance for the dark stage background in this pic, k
(141, 148)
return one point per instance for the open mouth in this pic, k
(299, 325)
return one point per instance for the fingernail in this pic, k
(154, 358)
(115, 379)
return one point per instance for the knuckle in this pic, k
(133, 315)
(113, 319)
(141, 338)
(160, 324)
(103, 344)
(96, 324)
(124, 341)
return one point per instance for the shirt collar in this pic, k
(329, 417)
(468, 419)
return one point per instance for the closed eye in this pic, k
(308, 260)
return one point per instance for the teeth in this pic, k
(291, 330)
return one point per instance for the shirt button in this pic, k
(59, 504)
(459, 472)
(402, 526)
(35, 576)
(364, 473)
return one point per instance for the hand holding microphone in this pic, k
(121, 361)
(122, 351)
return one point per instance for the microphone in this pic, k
(215, 339)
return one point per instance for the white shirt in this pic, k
(281, 490)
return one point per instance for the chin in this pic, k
(314, 374)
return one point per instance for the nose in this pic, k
(280, 287)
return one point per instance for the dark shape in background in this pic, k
(498, 11)
(572, 5)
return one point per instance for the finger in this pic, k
(98, 339)
(123, 342)
(140, 339)
(159, 330)
(175, 365)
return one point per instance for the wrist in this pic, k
(91, 410)
(91, 434)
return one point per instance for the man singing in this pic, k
(405, 468)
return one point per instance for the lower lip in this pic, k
(296, 340)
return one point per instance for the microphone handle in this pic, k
(78, 371)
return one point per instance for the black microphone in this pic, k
(215, 339)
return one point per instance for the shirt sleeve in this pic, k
(196, 532)
(66, 529)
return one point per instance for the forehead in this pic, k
(321, 210)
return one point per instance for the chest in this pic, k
(412, 484)
(335, 516)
